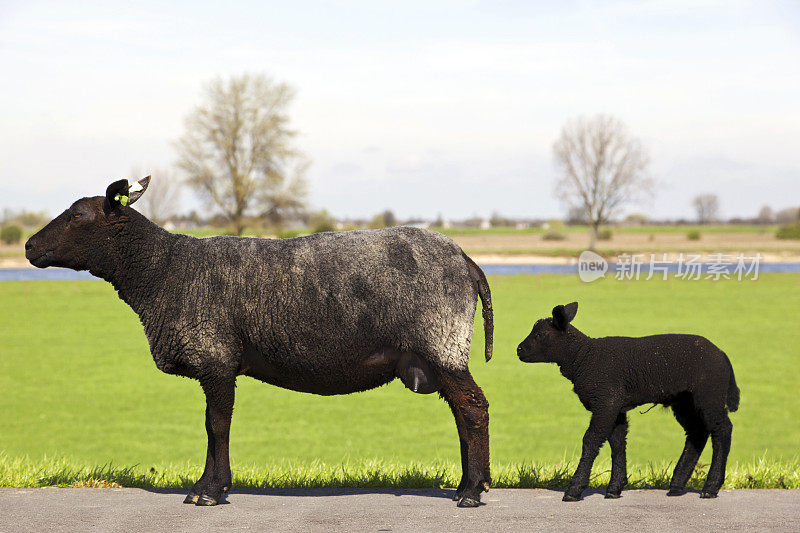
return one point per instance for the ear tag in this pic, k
(122, 199)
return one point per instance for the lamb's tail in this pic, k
(732, 401)
(479, 278)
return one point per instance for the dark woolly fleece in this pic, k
(331, 313)
(612, 375)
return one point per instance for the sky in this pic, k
(425, 108)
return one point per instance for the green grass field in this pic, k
(80, 391)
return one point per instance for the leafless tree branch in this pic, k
(602, 169)
(238, 150)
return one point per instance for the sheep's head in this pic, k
(548, 339)
(74, 238)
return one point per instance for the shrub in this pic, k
(291, 233)
(555, 231)
(789, 231)
(322, 221)
(693, 235)
(604, 234)
(10, 234)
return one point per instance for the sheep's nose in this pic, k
(28, 245)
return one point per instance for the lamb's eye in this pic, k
(76, 216)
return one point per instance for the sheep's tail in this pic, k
(732, 401)
(479, 278)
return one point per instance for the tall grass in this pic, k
(374, 474)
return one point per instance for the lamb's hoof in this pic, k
(613, 495)
(570, 498)
(206, 500)
(708, 494)
(675, 492)
(457, 496)
(468, 502)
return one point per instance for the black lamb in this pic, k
(331, 313)
(612, 375)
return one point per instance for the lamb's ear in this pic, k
(136, 190)
(570, 310)
(117, 193)
(563, 315)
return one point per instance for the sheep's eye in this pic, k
(76, 215)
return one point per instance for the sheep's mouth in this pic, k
(42, 260)
(527, 358)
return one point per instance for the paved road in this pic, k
(399, 510)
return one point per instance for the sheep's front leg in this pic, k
(619, 467)
(599, 431)
(208, 472)
(219, 408)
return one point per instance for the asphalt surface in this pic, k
(93, 509)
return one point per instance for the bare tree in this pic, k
(288, 201)
(603, 169)
(766, 215)
(790, 214)
(707, 207)
(164, 198)
(238, 149)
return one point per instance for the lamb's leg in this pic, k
(599, 431)
(721, 431)
(470, 406)
(696, 438)
(619, 467)
(219, 402)
(208, 471)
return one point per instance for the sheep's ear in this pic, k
(136, 190)
(563, 315)
(117, 193)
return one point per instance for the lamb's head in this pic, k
(549, 339)
(78, 237)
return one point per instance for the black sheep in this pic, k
(612, 375)
(331, 313)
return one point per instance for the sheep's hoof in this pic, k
(675, 492)
(613, 495)
(191, 498)
(206, 500)
(570, 498)
(468, 502)
(457, 495)
(708, 494)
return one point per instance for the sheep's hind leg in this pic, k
(219, 401)
(599, 431)
(619, 467)
(471, 411)
(208, 471)
(721, 430)
(696, 438)
(464, 444)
